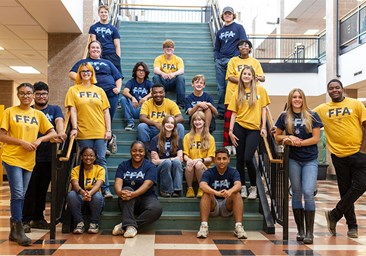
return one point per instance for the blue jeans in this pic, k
(129, 110)
(113, 102)
(100, 146)
(146, 132)
(18, 182)
(221, 67)
(177, 84)
(303, 177)
(75, 203)
(170, 175)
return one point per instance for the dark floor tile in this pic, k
(236, 252)
(50, 241)
(169, 233)
(37, 252)
(301, 252)
(228, 241)
(2, 241)
(285, 242)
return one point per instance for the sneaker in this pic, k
(129, 127)
(130, 232)
(243, 192)
(93, 228)
(27, 227)
(252, 192)
(107, 193)
(112, 145)
(118, 230)
(229, 148)
(240, 232)
(79, 228)
(165, 194)
(331, 223)
(107, 152)
(199, 193)
(190, 193)
(234, 150)
(203, 232)
(40, 224)
(352, 233)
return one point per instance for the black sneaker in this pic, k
(331, 223)
(352, 233)
(40, 224)
(129, 127)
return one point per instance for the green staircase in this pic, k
(142, 41)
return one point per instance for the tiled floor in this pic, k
(184, 242)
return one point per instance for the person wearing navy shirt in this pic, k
(108, 36)
(134, 185)
(225, 48)
(135, 93)
(35, 197)
(302, 133)
(221, 186)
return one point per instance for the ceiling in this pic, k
(24, 29)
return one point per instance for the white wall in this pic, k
(351, 63)
(75, 9)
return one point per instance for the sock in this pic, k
(204, 223)
(237, 223)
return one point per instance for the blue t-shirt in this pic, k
(134, 178)
(155, 147)
(192, 100)
(139, 90)
(106, 73)
(226, 39)
(306, 153)
(44, 152)
(105, 34)
(219, 182)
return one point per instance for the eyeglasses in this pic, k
(44, 94)
(243, 46)
(85, 71)
(22, 94)
(141, 70)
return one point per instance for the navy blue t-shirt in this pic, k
(44, 152)
(219, 182)
(226, 39)
(192, 100)
(139, 90)
(155, 147)
(134, 178)
(106, 73)
(306, 153)
(105, 34)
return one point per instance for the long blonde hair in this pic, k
(241, 88)
(306, 114)
(205, 135)
(174, 140)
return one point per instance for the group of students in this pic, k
(93, 100)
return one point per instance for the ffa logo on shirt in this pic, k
(103, 30)
(196, 144)
(133, 175)
(227, 34)
(89, 95)
(169, 66)
(158, 114)
(220, 184)
(26, 119)
(339, 112)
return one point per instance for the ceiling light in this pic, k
(1, 48)
(311, 31)
(25, 69)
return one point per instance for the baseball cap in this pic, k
(228, 9)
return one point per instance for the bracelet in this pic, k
(203, 160)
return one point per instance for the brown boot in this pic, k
(22, 239)
(309, 221)
(299, 219)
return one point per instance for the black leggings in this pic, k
(247, 145)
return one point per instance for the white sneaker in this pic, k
(252, 192)
(130, 232)
(240, 232)
(93, 228)
(117, 230)
(244, 192)
(203, 232)
(234, 150)
(229, 148)
(79, 228)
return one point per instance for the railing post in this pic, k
(53, 191)
(285, 189)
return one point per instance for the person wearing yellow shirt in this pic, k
(344, 120)
(153, 112)
(89, 116)
(234, 68)
(169, 70)
(199, 151)
(19, 130)
(247, 122)
(86, 181)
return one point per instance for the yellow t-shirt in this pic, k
(194, 151)
(90, 177)
(250, 118)
(343, 125)
(168, 66)
(90, 103)
(24, 125)
(234, 67)
(157, 113)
